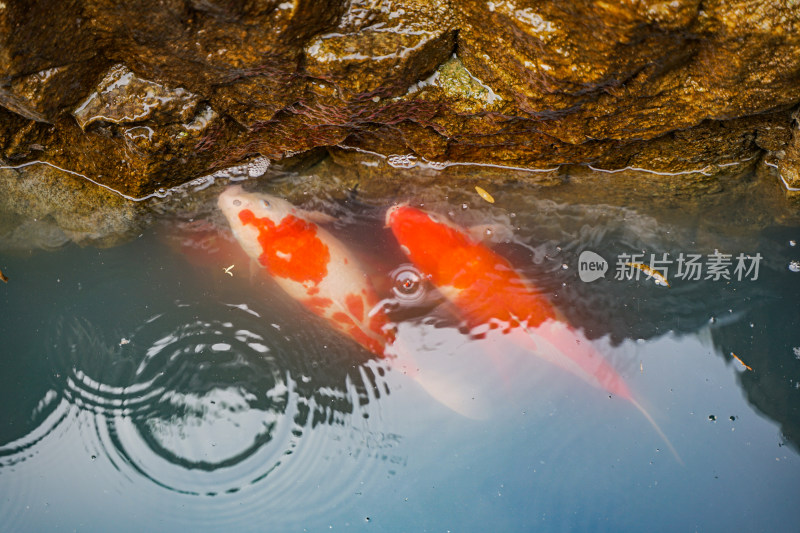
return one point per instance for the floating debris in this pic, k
(742, 362)
(657, 276)
(794, 266)
(485, 195)
(228, 270)
(124, 341)
(3, 277)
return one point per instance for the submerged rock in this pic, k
(45, 207)
(145, 95)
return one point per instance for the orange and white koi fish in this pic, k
(487, 290)
(309, 263)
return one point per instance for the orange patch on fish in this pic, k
(291, 249)
(342, 318)
(355, 304)
(318, 305)
(487, 285)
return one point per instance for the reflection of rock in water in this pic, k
(767, 338)
(64, 208)
(773, 386)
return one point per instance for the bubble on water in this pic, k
(402, 161)
(258, 167)
(407, 283)
(793, 243)
(794, 266)
(564, 266)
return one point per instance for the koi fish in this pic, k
(489, 292)
(309, 263)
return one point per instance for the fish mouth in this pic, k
(227, 196)
(390, 213)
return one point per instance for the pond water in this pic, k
(167, 384)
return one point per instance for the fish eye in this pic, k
(237, 203)
(265, 203)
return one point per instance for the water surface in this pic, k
(149, 386)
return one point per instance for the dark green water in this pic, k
(144, 389)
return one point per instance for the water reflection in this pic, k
(194, 405)
(235, 393)
(765, 336)
(184, 387)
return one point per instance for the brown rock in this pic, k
(385, 50)
(147, 94)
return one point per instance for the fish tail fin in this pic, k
(657, 428)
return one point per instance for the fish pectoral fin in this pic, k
(317, 217)
(491, 233)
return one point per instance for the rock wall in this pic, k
(140, 95)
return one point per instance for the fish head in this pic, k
(239, 205)
(235, 199)
(432, 243)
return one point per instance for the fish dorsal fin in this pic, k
(317, 217)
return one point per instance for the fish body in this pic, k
(309, 263)
(488, 290)
(481, 283)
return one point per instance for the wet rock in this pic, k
(625, 71)
(148, 94)
(789, 165)
(124, 98)
(385, 49)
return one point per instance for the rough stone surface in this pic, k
(147, 94)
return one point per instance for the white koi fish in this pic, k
(309, 263)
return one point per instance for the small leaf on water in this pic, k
(485, 195)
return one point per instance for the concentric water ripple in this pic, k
(207, 407)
